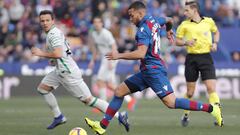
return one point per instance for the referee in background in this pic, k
(196, 34)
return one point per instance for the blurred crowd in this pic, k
(20, 29)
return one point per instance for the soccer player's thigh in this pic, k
(191, 72)
(136, 83)
(76, 86)
(51, 80)
(160, 84)
(207, 69)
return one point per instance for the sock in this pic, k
(113, 107)
(101, 105)
(213, 98)
(182, 103)
(103, 93)
(127, 98)
(187, 112)
(52, 103)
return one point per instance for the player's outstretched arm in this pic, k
(139, 53)
(56, 53)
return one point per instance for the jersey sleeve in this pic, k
(180, 31)
(142, 37)
(213, 26)
(161, 20)
(56, 39)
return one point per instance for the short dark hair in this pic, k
(45, 12)
(193, 4)
(137, 5)
(98, 17)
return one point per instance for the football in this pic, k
(77, 131)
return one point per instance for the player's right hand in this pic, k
(36, 51)
(191, 42)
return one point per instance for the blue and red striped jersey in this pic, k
(148, 34)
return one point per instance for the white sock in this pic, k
(52, 103)
(101, 105)
(103, 94)
(127, 98)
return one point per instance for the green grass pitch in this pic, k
(30, 116)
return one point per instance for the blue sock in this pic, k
(113, 107)
(186, 104)
(116, 102)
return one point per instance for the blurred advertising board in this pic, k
(22, 79)
(228, 87)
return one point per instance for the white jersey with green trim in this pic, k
(56, 38)
(103, 41)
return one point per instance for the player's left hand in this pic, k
(112, 55)
(36, 51)
(214, 47)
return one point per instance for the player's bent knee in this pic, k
(42, 91)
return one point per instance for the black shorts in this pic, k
(202, 63)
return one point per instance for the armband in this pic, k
(168, 26)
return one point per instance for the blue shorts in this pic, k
(154, 78)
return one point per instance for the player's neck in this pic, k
(99, 30)
(196, 18)
(50, 28)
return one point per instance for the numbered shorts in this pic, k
(72, 82)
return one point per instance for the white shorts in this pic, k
(106, 73)
(72, 82)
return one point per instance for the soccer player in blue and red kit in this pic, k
(152, 70)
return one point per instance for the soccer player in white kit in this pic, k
(101, 42)
(66, 73)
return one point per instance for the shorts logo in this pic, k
(165, 87)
